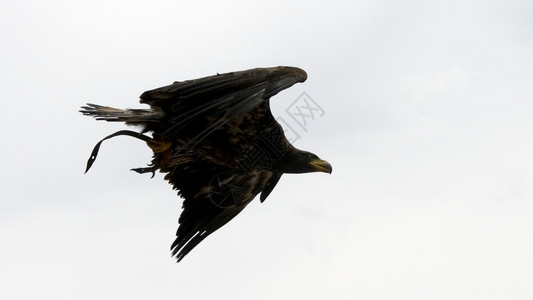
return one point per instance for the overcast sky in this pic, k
(427, 122)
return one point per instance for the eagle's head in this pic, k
(298, 161)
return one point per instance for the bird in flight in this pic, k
(217, 142)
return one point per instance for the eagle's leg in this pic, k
(158, 146)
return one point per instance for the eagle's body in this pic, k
(217, 142)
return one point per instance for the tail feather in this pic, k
(129, 116)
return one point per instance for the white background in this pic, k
(428, 125)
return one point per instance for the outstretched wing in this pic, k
(209, 124)
(212, 199)
(212, 101)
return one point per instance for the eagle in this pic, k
(217, 142)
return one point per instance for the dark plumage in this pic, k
(217, 142)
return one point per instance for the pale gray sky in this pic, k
(428, 124)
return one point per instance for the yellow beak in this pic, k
(321, 166)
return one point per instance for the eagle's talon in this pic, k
(143, 170)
